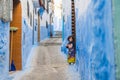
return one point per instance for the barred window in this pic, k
(47, 6)
(30, 19)
(28, 9)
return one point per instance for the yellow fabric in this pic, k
(71, 60)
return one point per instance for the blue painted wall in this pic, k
(27, 38)
(27, 41)
(94, 41)
(4, 50)
(45, 32)
(35, 32)
(66, 27)
(95, 52)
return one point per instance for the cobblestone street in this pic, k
(46, 62)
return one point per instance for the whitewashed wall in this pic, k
(27, 30)
(45, 17)
(66, 8)
(24, 10)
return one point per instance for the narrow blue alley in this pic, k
(59, 40)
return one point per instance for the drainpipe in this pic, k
(62, 28)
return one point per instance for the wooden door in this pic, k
(16, 37)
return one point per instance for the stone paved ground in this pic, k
(47, 63)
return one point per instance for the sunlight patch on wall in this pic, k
(58, 8)
(82, 5)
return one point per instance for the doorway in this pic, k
(15, 62)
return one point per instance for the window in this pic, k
(35, 10)
(46, 24)
(28, 9)
(43, 2)
(30, 19)
(47, 6)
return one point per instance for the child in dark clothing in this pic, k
(71, 39)
(71, 50)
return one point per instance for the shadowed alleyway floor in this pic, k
(46, 62)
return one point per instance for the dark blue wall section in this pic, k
(45, 32)
(50, 30)
(4, 50)
(35, 32)
(95, 52)
(26, 42)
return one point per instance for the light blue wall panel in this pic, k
(95, 52)
(4, 50)
(94, 41)
(27, 42)
(45, 32)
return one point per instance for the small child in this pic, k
(71, 39)
(71, 50)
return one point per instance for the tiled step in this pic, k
(73, 19)
(73, 12)
(57, 34)
(73, 15)
(72, 1)
(73, 23)
(73, 27)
